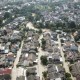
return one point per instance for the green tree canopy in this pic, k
(68, 79)
(45, 74)
(44, 60)
(1, 20)
(72, 24)
(67, 75)
(7, 77)
(6, 15)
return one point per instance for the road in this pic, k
(14, 70)
(40, 67)
(65, 64)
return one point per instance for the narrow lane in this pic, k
(14, 70)
(65, 64)
(40, 67)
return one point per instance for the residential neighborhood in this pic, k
(39, 40)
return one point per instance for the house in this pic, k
(14, 47)
(55, 58)
(72, 56)
(6, 60)
(71, 52)
(20, 78)
(5, 38)
(31, 74)
(55, 72)
(49, 48)
(5, 77)
(73, 47)
(15, 37)
(54, 36)
(26, 63)
(33, 77)
(56, 50)
(2, 61)
(2, 33)
(48, 45)
(58, 31)
(5, 71)
(32, 58)
(30, 33)
(25, 48)
(10, 58)
(31, 70)
(4, 48)
(28, 59)
(75, 70)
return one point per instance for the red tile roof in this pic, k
(5, 71)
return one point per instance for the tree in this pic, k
(40, 31)
(58, 24)
(6, 15)
(7, 77)
(68, 78)
(62, 41)
(1, 21)
(77, 37)
(36, 49)
(67, 75)
(72, 24)
(40, 25)
(70, 68)
(43, 41)
(44, 60)
(5, 32)
(45, 74)
(43, 47)
(43, 44)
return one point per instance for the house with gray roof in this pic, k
(55, 58)
(31, 74)
(55, 72)
(20, 78)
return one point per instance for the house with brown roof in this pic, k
(75, 70)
